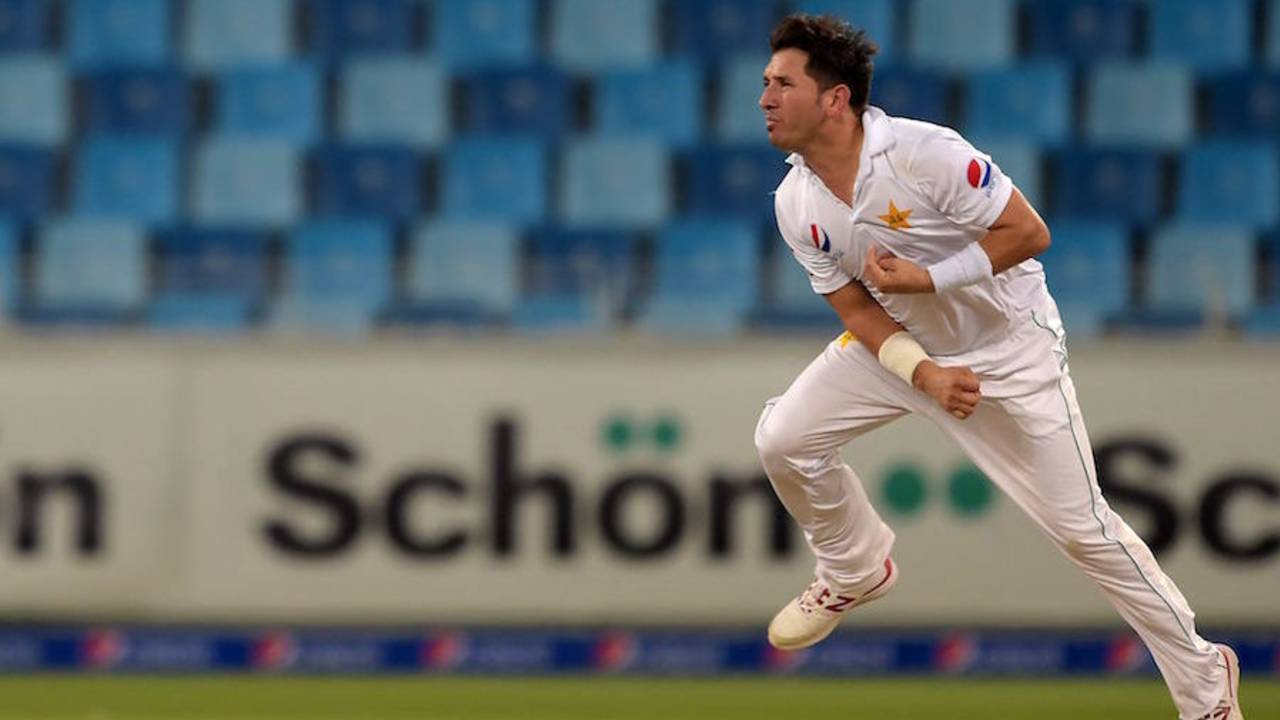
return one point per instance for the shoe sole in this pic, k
(875, 593)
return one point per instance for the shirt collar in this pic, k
(877, 136)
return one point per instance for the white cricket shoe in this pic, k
(812, 616)
(1229, 707)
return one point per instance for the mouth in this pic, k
(770, 123)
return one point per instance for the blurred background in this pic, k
(403, 335)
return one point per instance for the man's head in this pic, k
(820, 73)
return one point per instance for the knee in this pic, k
(777, 445)
(773, 443)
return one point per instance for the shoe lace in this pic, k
(811, 599)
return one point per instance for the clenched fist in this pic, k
(956, 389)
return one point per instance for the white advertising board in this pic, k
(566, 483)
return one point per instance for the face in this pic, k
(794, 106)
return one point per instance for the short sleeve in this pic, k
(964, 184)
(807, 243)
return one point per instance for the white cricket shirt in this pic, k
(923, 193)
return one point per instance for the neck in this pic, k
(834, 157)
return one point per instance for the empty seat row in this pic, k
(588, 182)
(405, 100)
(339, 275)
(709, 276)
(1210, 34)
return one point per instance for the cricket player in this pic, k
(924, 249)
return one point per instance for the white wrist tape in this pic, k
(900, 354)
(966, 267)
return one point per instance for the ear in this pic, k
(837, 100)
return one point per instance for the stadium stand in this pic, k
(1145, 131)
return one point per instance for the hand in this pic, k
(955, 388)
(892, 275)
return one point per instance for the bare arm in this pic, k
(956, 389)
(1017, 235)
(862, 316)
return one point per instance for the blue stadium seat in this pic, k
(118, 32)
(26, 181)
(129, 177)
(280, 102)
(1271, 266)
(1209, 35)
(1205, 268)
(714, 29)
(208, 279)
(368, 181)
(878, 17)
(226, 34)
(1089, 268)
(24, 25)
(1146, 105)
(471, 34)
(1121, 185)
(1263, 323)
(615, 182)
(595, 35)
(90, 267)
(545, 315)
(660, 102)
(1272, 40)
(200, 312)
(912, 93)
(34, 100)
(249, 182)
(532, 100)
(734, 180)
(1020, 160)
(393, 100)
(970, 35)
(1031, 101)
(346, 258)
(707, 278)
(10, 268)
(464, 271)
(1246, 104)
(1230, 182)
(738, 116)
(337, 277)
(1083, 31)
(138, 100)
(193, 261)
(582, 275)
(790, 302)
(341, 28)
(502, 179)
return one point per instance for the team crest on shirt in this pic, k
(897, 219)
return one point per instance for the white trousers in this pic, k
(1027, 436)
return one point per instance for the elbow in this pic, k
(1039, 239)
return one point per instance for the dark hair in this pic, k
(838, 52)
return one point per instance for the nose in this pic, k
(766, 99)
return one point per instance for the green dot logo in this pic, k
(616, 434)
(666, 434)
(970, 491)
(619, 433)
(904, 489)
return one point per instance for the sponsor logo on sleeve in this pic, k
(820, 238)
(979, 173)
